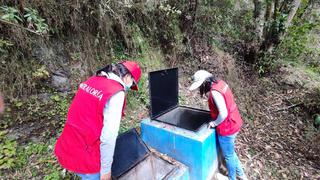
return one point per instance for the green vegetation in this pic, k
(31, 160)
(34, 159)
(299, 48)
(35, 21)
(10, 14)
(8, 150)
(224, 22)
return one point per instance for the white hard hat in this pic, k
(198, 78)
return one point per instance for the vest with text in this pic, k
(232, 124)
(78, 147)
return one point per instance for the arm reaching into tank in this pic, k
(222, 109)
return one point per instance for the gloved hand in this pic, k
(211, 124)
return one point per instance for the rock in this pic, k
(55, 58)
(60, 82)
(52, 55)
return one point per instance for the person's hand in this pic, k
(211, 124)
(105, 176)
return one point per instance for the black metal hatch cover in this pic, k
(163, 87)
(129, 151)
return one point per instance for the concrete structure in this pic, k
(156, 168)
(195, 149)
(134, 161)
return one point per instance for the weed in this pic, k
(36, 21)
(10, 14)
(41, 73)
(8, 151)
(55, 174)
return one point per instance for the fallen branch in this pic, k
(17, 25)
(288, 107)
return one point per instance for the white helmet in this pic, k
(198, 78)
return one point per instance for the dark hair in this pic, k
(206, 85)
(118, 69)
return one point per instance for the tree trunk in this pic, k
(269, 10)
(276, 6)
(276, 31)
(307, 9)
(292, 12)
(237, 5)
(259, 14)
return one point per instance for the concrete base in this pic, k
(197, 150)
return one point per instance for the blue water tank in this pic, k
(195, 149)
(178, 131)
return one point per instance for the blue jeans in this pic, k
(89, 176)
(234, 167)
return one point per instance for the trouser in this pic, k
(234, 166)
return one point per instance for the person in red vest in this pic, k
(225, 115)
(86, 144)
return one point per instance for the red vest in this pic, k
(78, 147)
(233, 122)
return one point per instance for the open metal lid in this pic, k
(129, 151)
(163, 88)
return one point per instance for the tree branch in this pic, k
(292, 12)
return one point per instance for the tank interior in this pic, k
(184, 117)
